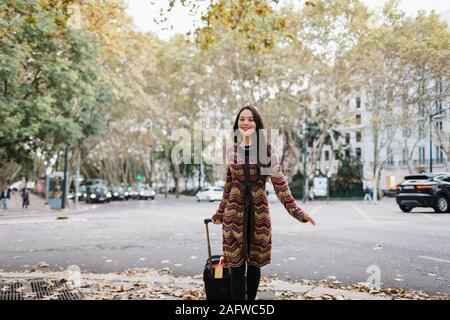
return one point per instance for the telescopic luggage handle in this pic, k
(209, 243)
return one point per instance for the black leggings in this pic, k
(240, 284)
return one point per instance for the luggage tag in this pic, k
(218, 269)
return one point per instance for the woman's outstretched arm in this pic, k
(283, 192)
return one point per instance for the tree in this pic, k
(48, 81)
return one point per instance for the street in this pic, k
(411, 249)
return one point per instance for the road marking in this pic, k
(316, 209)
(364, 215)
(434, 259)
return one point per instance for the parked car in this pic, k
(97, 191)
(117, 193)
(429, 191)
(389, 193)
(128, 193)
(210, 194)
(145, 193)
(81, 193)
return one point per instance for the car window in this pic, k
(217, 189)
(205, 189)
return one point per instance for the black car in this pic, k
(117, 193)
(97, 191)
(429, 191)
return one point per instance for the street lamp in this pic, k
(431, 136)
(63, 206)
(327, 169)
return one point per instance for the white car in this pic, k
(146, 193)
(210, 194)
(271, 194)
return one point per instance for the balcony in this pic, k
(426, 161)
(389, 163)
(403, 163)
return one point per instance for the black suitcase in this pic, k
(215, 289)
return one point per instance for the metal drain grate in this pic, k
(38, 290)
(11, 291)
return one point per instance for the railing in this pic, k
(389, 163)
(426, 161)
(403, 163)
(400, 163)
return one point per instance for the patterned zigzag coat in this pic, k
(232, 214)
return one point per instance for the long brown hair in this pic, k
(261, 139)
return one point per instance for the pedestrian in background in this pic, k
(311, 194)
(25, 198)
(6, 195)
(367, 195)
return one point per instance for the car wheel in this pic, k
(405, 208)
(441, 204)
(153, 198)
(210, 200)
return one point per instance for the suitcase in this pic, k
(215, 288)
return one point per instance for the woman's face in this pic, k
(246, 123)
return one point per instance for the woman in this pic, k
(244, 210)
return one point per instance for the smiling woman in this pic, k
(244, 210)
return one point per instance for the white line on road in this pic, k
(364, 215)
(316, 209)
(434, 259)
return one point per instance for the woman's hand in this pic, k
(308, 218)
(215, 221)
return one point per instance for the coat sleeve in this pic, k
(281, 188)
(226, 192)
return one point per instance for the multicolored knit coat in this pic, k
(233, 216)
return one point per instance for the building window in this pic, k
(358, 136)
(421, 155)
(327, 155)
(390, 159)
(358, 119)
(439, 125)
(439, 154)
(336, 155)
(347, 138)
(358, 152)
(358, 102)
(347, 153)
(404, 157)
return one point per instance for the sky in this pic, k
(144, 13)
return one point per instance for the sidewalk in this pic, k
(37, 205)
(149, 284)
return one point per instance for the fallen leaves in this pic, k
(192, 294)
(150, 284)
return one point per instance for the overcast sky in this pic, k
(144, 13)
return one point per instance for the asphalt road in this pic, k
(410, 250)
